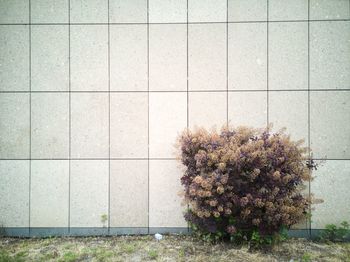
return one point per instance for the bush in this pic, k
(244, 183)
(333, 233)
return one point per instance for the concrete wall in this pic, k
(93, 94)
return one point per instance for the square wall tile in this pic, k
(168, 57)
(129, 125)
(14, 193)
(88, 193)
(89, 11)
(49, 11)
(280, 10)
(128, 57)
(49, 199)
(14, 11)
(167, 11)
(331, 184)
(325, 9)
(207, 109)
(89, 125)
(89, 57)
(247, 10)
(289, 109)
(247, 109)
(165, 204)
(49, 58)
(14, 58)
(207, 10)
(330, 55)
(329, 124)
(164, 124)
(129, 193)
(207, 57)
(50, 125)
(14, 125)
(247, 55)
(288, 55)
(131, 11)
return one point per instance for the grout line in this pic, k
(187, 66)
(188, 120)
(136, 158)
(308, 104)
(227, 34)
(30, 115)
(70, 115)
(191, 23)
(148, 116)
(190, 91)
(70, 118)
(109, 122)
(267, 66)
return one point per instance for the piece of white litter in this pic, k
(158, 236)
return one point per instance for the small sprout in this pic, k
(153, 254)
(104, 219)
(306, 257)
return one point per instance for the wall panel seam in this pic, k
(70, 117)
(30, 114)
(109, 121)
(148, 125)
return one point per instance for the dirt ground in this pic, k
(170, 248)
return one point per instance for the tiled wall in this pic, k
(94, 92)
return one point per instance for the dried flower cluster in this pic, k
(243, 179)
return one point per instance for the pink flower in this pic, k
(231, 230)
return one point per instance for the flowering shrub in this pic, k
(243, 183)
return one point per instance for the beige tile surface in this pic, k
(49, 198)
(168, 113)
(129, 125)
(128, 57)
(329, 124)
(207, 10)
(247, 10)
(247, 108)
(14, 125)
(48, 11)
(14, 177)
(166, 209)
(207, 56)
(290, 110)
(207, 109)
(288, 56)
(247, 55)
(89, 125)
(281, 10)
(330, 55)
(332, 185)
(89, 58)
(50, 58)
(168, 57)
(14, 11)
(167, 11)
(50, 125)
(129, 193)
(88, 193)
(131, 11)
(325, 9)
(14, 58)
(89, 11)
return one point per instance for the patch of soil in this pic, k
(170, 248)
